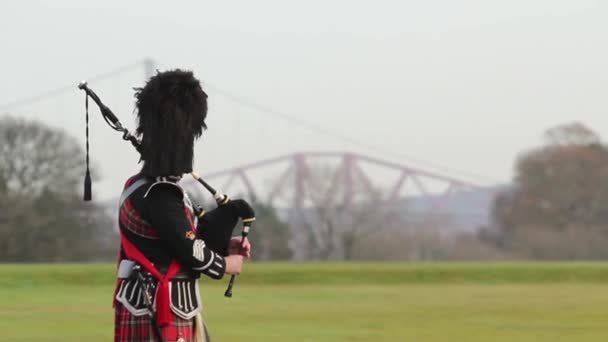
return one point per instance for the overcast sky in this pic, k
(466, 85)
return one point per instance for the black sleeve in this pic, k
(167, 213)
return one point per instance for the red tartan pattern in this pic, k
(131, 219)
(129, 328)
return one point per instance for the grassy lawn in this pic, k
(333, 302)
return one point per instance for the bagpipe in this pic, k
(227, 213)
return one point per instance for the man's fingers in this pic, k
(246, 245)
(246, 248)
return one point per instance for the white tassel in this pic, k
(199, 329)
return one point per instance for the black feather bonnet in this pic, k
(171, 111)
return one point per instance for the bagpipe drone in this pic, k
(241, 208)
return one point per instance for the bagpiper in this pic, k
(166, 243)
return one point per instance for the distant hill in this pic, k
(466, 210)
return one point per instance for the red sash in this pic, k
(163, 309)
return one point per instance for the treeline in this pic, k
(42, 217)
(555, 208)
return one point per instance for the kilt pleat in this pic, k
(130, 328)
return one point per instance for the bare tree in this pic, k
(42, 217)
(339, 217)
(571, 134)
(34, 157)
(559, 198)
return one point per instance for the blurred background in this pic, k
(385, 130)
(421, 170)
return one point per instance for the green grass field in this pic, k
(334, 302)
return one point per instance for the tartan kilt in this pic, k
(130, 328)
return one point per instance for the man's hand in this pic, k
(235, 247)
(234, 264)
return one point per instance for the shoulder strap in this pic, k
(130, 190)
(165, 180)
